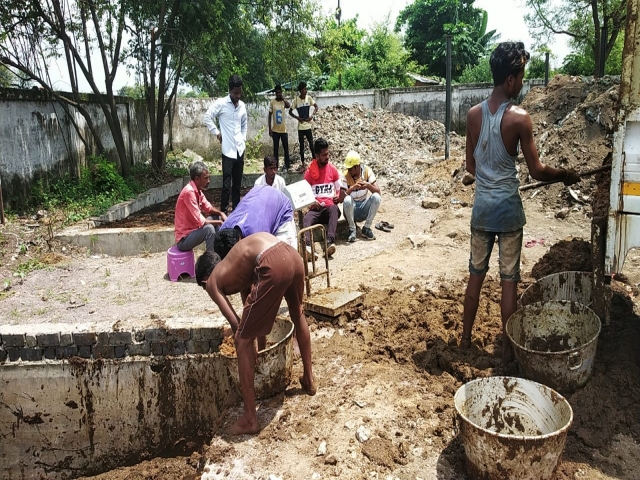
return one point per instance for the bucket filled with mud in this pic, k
(511, 428)
(274, 365)
(555, 342)
(572, 286)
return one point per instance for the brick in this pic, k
(198, 346)
(30, 340)
(156, 348)
(120, 351)
(13, 353)
(3, 355)
(48, 339)
(182, 334)
(66, 339)
(155, 335)
(215, 344)
(67, 351)
(84, 339)
(174, 348)
(50, 353)
(84, 351)
(205, 333)
(143, 349)
(102, 351)
(138, 336)
(31, 354)
(103, 338)
(119, 338)
(11, 340)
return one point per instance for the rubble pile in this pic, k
(399, 148)
(573, 122)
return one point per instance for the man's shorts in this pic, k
(509, 248)
(279, 273)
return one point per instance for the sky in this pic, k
(504, 16)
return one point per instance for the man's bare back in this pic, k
(235, 273)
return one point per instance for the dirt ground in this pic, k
(389, 368)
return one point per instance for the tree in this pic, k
(38, 32)
(426, 24)
(585, 21)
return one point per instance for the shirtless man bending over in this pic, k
(264, 270)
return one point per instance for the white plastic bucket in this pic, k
(274, 365)
(512, 428)
(555, 343)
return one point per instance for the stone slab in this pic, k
(332, 301)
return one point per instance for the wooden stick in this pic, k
(588, 173)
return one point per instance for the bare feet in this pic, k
(244, 426)
(465, 343)
(309, 387)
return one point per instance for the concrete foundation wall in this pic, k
(61, 419)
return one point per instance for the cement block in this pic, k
(48, 339)
(155, 335)
(103, 338)
(66, 352)
(138, 335)
(198, 346)
(142, 349)
(215, 344)
(30, 340)
(84, 339)
(119, 338)
(84, 351)
(182, 334)
(157, 348)
(13, 340)
(66, 339)
(31, 354)
(3, 355)
(205, 333)
(13, 353)
(174, 348)
(49, 353)
(103, 351)
(120, 351)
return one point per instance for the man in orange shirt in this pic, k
(196, 220)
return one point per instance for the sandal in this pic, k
(382, 226)
(386, 224)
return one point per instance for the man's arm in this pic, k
(473, 129)
(210, 117)
(243, 124)
(269, 123)
(223, 303)
(537, 169)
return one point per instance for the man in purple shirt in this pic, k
(263, 209)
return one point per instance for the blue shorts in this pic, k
(509, 248)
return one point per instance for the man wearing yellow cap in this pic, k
(358, 204)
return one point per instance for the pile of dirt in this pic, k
(573, 120)
(396, 146)
(564, 256)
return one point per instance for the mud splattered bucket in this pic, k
(511, 428)
(555, 343)
(572, 286)
(274, 365)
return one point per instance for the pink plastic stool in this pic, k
(179, 262)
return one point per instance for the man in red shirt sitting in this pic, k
(196, 220)
(329, 190)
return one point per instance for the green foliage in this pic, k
(136, 91)
(5, 76)
(426, 24)
(578, 19)
(99, 187)
(480, 73)
(254, 146)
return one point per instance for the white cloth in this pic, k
(233, 125)
(278, 182)
(288, 233)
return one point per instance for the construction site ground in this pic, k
(389, 368)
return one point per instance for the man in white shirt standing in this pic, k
(231, 115)
(270, 176)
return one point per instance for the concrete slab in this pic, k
(120, 242)
(332, 301)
